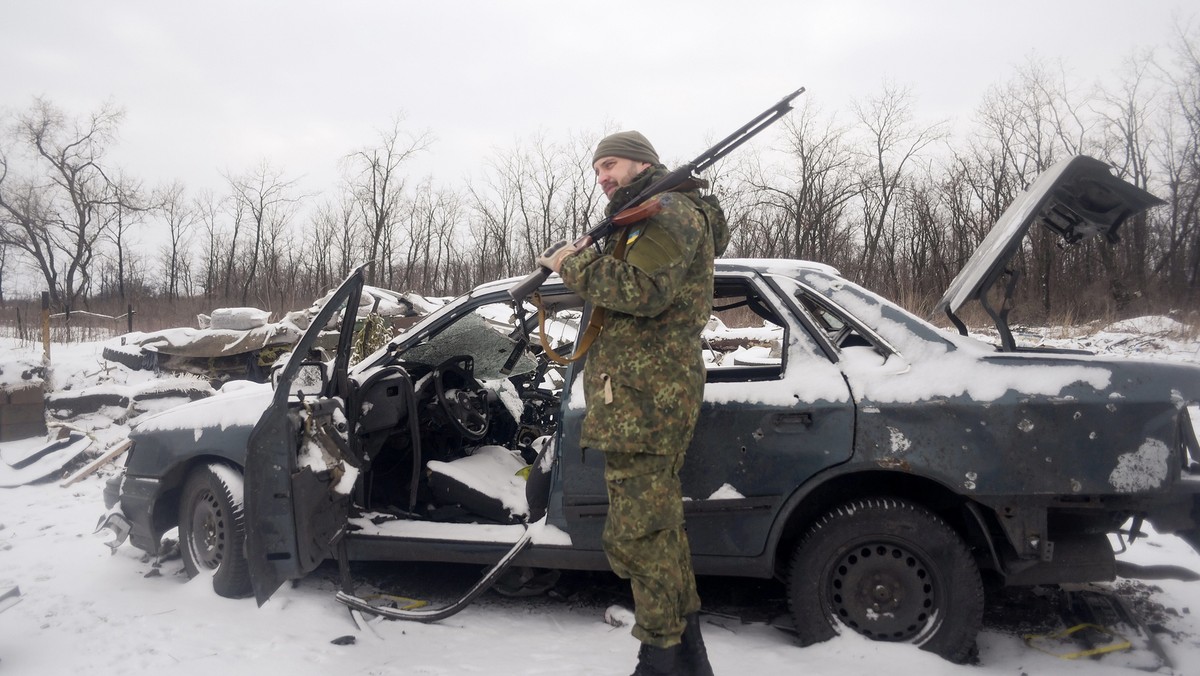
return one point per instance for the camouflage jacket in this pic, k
(644, 375)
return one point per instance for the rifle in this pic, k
(639, 209)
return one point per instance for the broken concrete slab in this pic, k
(36, 459)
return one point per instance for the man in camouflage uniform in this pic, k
(643, 383)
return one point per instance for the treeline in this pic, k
(893, 201)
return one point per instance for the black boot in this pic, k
(693, 657)
(654, 661)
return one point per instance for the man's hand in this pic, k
(554, 255)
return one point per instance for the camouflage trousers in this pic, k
(647, 545)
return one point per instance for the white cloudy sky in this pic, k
(219, 86)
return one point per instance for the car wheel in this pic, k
(891, 571)
(212, 529)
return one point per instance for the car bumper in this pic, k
(112, 491)
(137, 496)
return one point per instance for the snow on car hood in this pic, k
(236, 404)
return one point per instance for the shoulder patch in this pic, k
(652, 248)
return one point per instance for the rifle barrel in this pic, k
(746, 132)
(763, 120)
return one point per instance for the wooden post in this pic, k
(46, 328)
(129, 318)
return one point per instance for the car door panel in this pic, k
(755, 442)
(300, 464)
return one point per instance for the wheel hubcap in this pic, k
(883, 591)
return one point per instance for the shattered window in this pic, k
(840, 332)
(309, 381)
(830, 324)
(743, 330)
(484, 334)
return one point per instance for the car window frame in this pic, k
(881, 345)
(769, 296)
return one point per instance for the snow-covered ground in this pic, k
(83, 609)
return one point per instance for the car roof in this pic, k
(785, 266)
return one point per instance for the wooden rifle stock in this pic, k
(622, 219)
(637, 214)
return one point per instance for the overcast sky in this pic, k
(218, 86)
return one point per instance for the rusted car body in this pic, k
(881, 466)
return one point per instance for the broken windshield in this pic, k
(472, 335)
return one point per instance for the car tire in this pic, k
(212, 527)
(889, 570)
(129, 356)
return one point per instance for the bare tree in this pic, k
(544, 191)
(279, 285)
(1127, 139)
(431, 225)
(493, 209)
(1049, 126)
(181, 216)
(237, 210)
(334, 240)
(25, 226)
(921, 240)
(378, 185)
(1179, 258)
(582, 202)
(1024, 125)
(120, 217)
(54, 214)
(810, 195)
(207, 210)
(4, 260)
(972, 190)
(265, 198)
(893, 140)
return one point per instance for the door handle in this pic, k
(788, 422)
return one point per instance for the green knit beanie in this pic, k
(628, 144)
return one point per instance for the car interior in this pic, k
(485, 399)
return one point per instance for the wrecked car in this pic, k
(241, 343)
(884, 468)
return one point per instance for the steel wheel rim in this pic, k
(207, 538)
(883, 590)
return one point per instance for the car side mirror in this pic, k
(277, 369)
(895, 365)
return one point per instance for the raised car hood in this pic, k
(1076, 198)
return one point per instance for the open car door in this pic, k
(300, 467)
